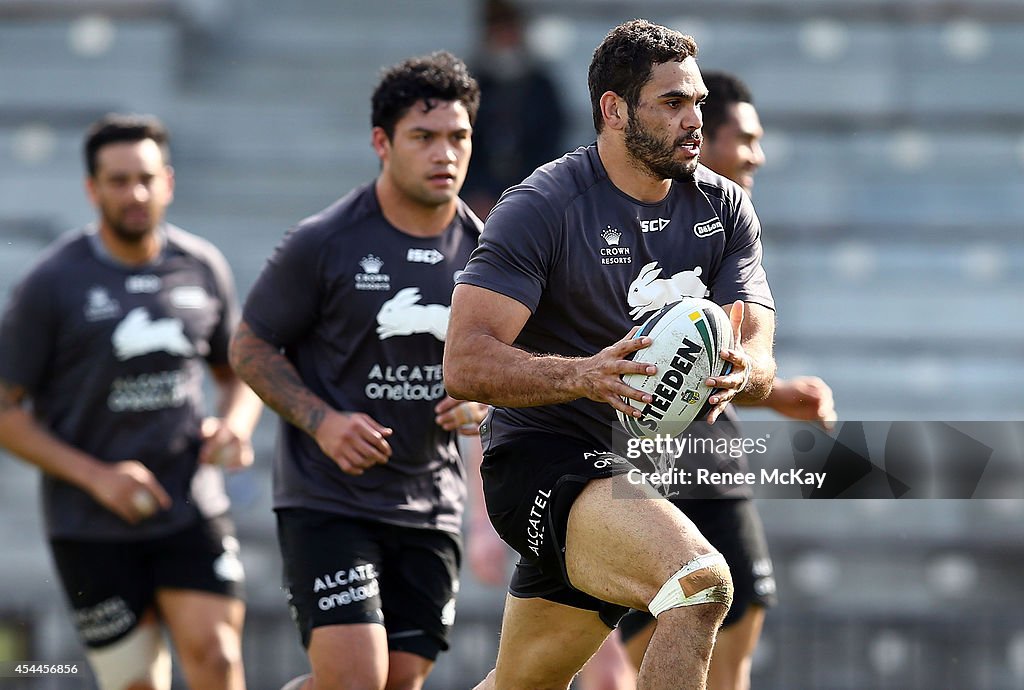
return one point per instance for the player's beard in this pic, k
(657, 155)
(125, 231)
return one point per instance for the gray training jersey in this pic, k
(361, 309)
(591, 262)
(111, 356)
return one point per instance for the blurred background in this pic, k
(892, 203)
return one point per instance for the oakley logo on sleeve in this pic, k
(138, 335)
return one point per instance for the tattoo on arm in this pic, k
(269, 373)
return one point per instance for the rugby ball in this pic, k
(687, 337)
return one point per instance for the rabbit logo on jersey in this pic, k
(138, 334)
(403, 315)
(649, 293)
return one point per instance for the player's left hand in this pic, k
(729, 386)
(222, 446)
(461, 415)
(804, 397)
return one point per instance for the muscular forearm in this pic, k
(485, 369)
(274, 379)
(23, 436)
(762, 376)
(237, 404)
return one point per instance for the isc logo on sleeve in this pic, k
(654, 224)
(424, 256)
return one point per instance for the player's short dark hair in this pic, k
(627, 55)
(724, 89)
(117, 127)
(439, 76)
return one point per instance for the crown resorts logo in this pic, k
(611, 236)
(99, 305)
(371, 278)
(612, 253)
(371, 264)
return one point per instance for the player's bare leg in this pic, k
(622, 549)
(610, 668)
(734, 652)
(138, 661)
(636, 646)
(543, 645)
(348, 657)
(407, 671)
(732, 656)
(207, 632)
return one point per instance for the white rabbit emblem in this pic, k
(650, 293)
(400, 315)
(138, 335)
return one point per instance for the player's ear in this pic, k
(170, 183)
(614, 110)
(90, 189)
(380, 142)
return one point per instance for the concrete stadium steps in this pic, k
(886, 651)
(922, 310)
(879, 594)
(890, 152)
(351, 40)
(36, 193)
(922, 526)
(876, 67)
(909, 383)
(281, 192)
(137, 72)
(222, 128)
(909, 317)
(909, 349)
(811, 196)
(849, 581)
(276, 119)
(437, 14)
(822, 67)
(328, 55)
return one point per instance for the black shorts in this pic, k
(530, 484)
(110, 584)
(340, 570)
(734, 528)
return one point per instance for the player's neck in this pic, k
(627, 174)
(411, 217)
(131, 252)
